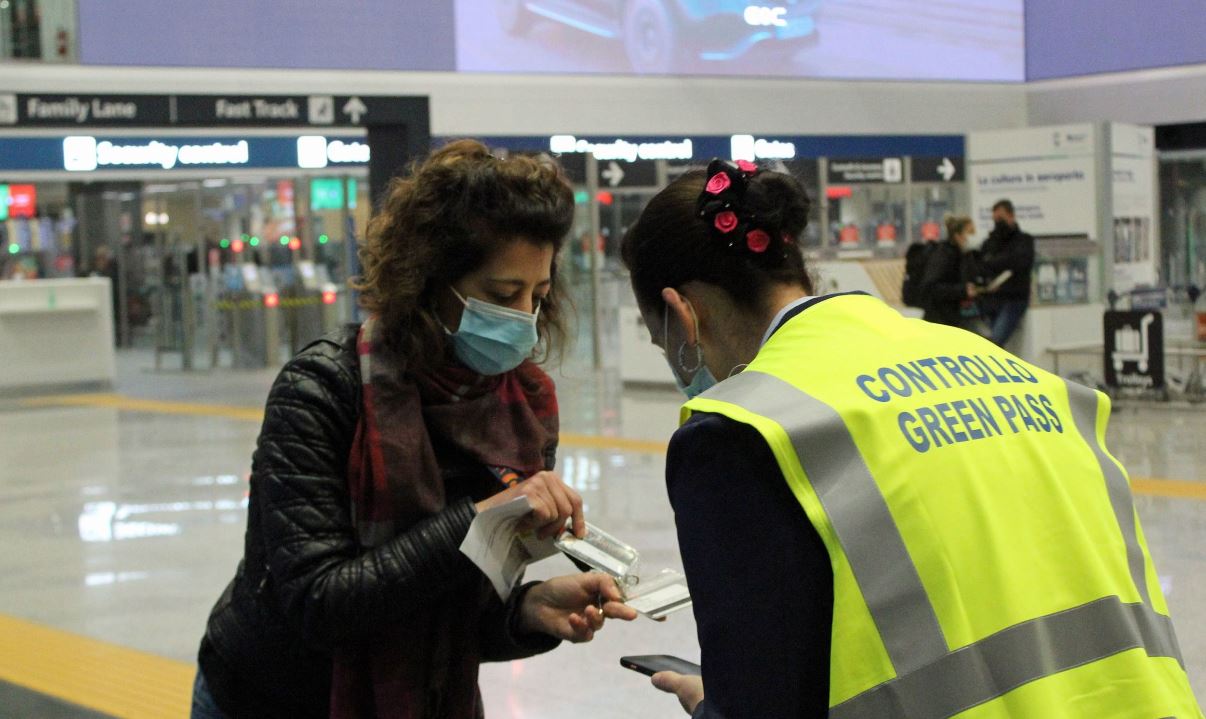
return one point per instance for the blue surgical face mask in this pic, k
(702, 379)
(492, 339)
(700, 383)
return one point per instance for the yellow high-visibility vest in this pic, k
(987, 557)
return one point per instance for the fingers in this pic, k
(580, 629)
(544, 508)
(565, 507)
(616, 610)
(667, 681)
(579, 524)
(563, 504)
(595, 618)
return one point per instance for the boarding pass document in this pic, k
(498, 547)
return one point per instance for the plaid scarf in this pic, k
(427, 667)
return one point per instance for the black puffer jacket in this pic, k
(304, 584)
(1007, 248)
(944, 284)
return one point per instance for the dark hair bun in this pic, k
(780, 203)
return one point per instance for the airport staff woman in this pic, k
(882, 517)
(380, 445)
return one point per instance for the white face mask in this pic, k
(974, 241)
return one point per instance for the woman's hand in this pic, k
(574, 607)
(690, 690)
(552, 504)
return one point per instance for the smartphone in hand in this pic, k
(653, 663)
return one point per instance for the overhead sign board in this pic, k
(93, 153)
(627, 174)
(938, 169)
(87, 110)
(846, 171)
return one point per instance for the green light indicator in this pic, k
(580, 197)
(254, 242)
(323, 239)
(284, 239)
(224, 244)
(14, 248)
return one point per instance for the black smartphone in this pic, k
(654, 663)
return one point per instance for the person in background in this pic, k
(381, 443)
(880, 517)
(104, 264)
(945, 286)
(1007, 248)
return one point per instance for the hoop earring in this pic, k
(698, 358)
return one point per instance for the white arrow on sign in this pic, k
(947, 169)
(614, 174)
(355, 109)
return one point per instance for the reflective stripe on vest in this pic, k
(933, 682)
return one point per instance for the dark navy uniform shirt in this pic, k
(759, 574)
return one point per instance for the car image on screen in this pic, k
(673, 36)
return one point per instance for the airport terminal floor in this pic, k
(122, 517)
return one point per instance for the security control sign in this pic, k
(1134, 350)
(878, 170)
(92, 153)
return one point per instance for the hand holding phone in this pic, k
(653, 663)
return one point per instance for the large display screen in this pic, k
(973, 40)
(364, 34)
(963, 40)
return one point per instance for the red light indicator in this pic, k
(295, 244)
(605, 198)
(236, 246)
(23, 201)
(328, 297)
(272, 300)
(838, 193)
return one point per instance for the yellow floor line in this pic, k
(153, 406)
(590, 441)
(1148, 486)
(96, 675)
(1175, 488)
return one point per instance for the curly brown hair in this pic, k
(445, 220)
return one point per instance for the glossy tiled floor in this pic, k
(124, 524)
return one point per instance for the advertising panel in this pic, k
(974, 40)
(1050, 175)
(362, 35)
(1134, 188)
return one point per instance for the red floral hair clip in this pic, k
(722, 205)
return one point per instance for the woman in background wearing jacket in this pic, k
(945, 284)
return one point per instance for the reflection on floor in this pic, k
(123, 516)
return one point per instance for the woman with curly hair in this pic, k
(381, 443)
